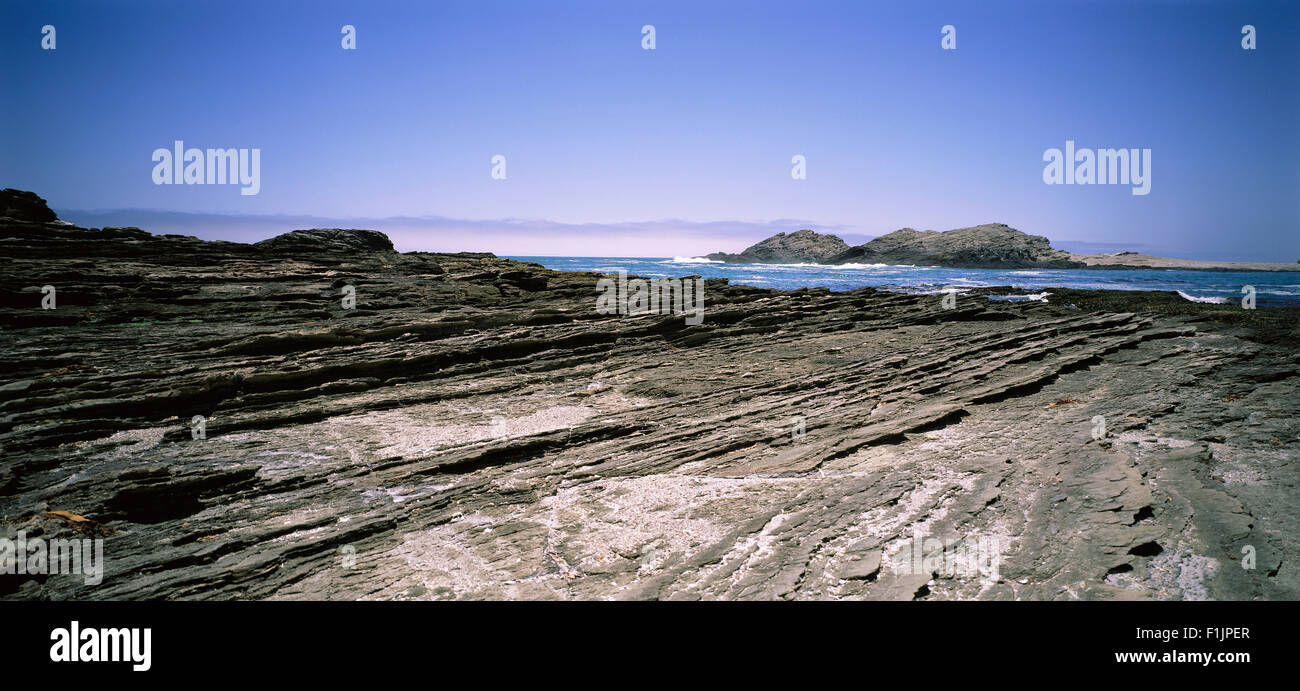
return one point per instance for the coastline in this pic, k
(473, 428)
(1112, 262)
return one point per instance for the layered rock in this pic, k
(475, 429)
(800, 247)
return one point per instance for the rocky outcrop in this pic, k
(20, 205)
(330, 239)
(799, 247)
(988, 246)
(475, 429)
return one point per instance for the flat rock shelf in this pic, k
(474, 429)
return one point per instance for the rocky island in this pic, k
(470, 427)
(987, 246)
(800, 247)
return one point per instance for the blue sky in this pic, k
(616, 150)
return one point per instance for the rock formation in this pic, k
(800, 247)
(475, 429)
(24, 206)
(316, 239)
(988, 246)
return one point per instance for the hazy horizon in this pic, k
(437, 234)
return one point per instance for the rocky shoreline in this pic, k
(474, 429)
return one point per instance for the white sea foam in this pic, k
(916, 290)
(1193, 298)
(693, 260)
(848, 266)
(765, 265)
(793, 266)
(1035, 297)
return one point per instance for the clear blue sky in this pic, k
(605, 141)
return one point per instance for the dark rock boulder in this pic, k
(524, 279)
(25, 206)
(329, 239)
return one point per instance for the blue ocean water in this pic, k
(1272, 289)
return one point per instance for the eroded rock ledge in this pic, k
(474, 429)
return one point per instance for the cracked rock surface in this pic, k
(474, 429)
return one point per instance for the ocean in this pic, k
(1279, 289)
